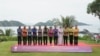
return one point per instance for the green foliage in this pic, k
(85, 37)
(94, 8)
(68, 20)
(1, 32)
(56, 21)
(9, 32)
(7, 38)
(2, 38)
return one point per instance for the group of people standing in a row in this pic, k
(58, 36)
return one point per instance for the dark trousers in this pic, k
(65, 38)
(75, 40)
(45, 40)
(40, 40)
(55, 40)
(19, 40)
(35, 40)
(29, 40)
(24, 40)
(50, 40)
(71, 39)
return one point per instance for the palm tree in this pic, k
(1, 32)
(9, 32)
(56, 21)
(68, 20)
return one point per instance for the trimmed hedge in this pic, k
(85, 37)
(7, 38)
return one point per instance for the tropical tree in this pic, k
(1, 32)
(94, 8)
(68, 20)
(9, 32)
(56, 21)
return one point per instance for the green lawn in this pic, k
(5, 51)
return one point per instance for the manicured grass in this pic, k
(5, 51)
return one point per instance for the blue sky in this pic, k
(33, 11)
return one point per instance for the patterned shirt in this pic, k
(50, 32)
(29, 32)
(39, 32)
(45, 32)
(19, 32)
(34, 31)
(24, 32)
(55, 32)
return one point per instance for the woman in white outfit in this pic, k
(60, 36)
